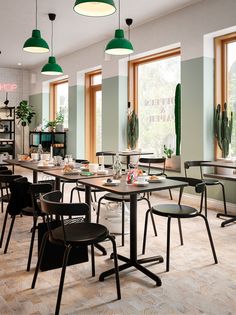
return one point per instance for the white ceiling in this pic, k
(71, 31)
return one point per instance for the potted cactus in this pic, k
(132, 130)
(223, 128)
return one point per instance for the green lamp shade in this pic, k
(51, 68)
(94, 7)
(36, 44)
(119, 45)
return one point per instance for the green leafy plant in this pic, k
(25, 113)
(51, 124)
(132, 130)
(59, 118)
(168, 151)
(223, 128)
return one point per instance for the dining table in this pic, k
(133, 190)
(228, 164)
(129, 153)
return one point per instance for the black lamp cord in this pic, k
(52, 40)
(119, 14)
(36, 14)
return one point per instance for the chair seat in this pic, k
(174, 210)
(211, 181)
(82, 188)
(80, 234)
(119, 198)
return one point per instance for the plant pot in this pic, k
(59, 128)
(173, 162)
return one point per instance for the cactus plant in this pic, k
(132, 130)
(178, 118)
(223, 128)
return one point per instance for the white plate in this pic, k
(102, 172)
(158, 179)
(45, 166)
(141, 184)
(115, 182)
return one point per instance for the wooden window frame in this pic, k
(220, 51)
(133, 72)
(90, 113)
(53, 98)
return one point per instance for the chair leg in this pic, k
(3, 228)
(98, 210)
(168, 245)
(180, 232)
(145, 231)
(210, 237)
(35, 219)
(116, 266)
(123, 224)
(152, 217)
(205, 201)
(224, 200)
(72, 193)
(63, 272)
(9, 233)
(93, 260)
(171, 197)
(62, 190)
(41, 252)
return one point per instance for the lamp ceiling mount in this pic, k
(52, 16)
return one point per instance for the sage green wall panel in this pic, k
(36, 102)
(110, 114)
(123, 112)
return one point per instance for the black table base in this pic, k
(136, 264)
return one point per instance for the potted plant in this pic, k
(132, 130)
(60, 122)
(25, 113)
(51, 125)
(223, 126)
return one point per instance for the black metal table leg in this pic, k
(231, 220)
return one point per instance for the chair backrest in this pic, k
(20, 195)
(198, 185)
(51, 205)
(36, 191)
(82, 161)
(3, 168)
(152, 162)
(189, 164)
(106, 154)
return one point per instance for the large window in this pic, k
(225, 48)
(154, 81)
(93, 114)
(59, 100)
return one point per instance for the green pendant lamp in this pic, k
(119, 45)
(36, 44)
(94, 7)
(52, 68)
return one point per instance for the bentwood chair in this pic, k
(73, 232)
(208, 181)
(106, 154)
(180, 211)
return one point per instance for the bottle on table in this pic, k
(117, 168)
(40, 151)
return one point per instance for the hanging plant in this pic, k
(132, 130)
(25, 113)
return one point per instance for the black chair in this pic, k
(36, 191)
(180, 211)
(73, 232)
(207, 181)
(106, 154)
(5, 181)
(4, 188)
(152, 162)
